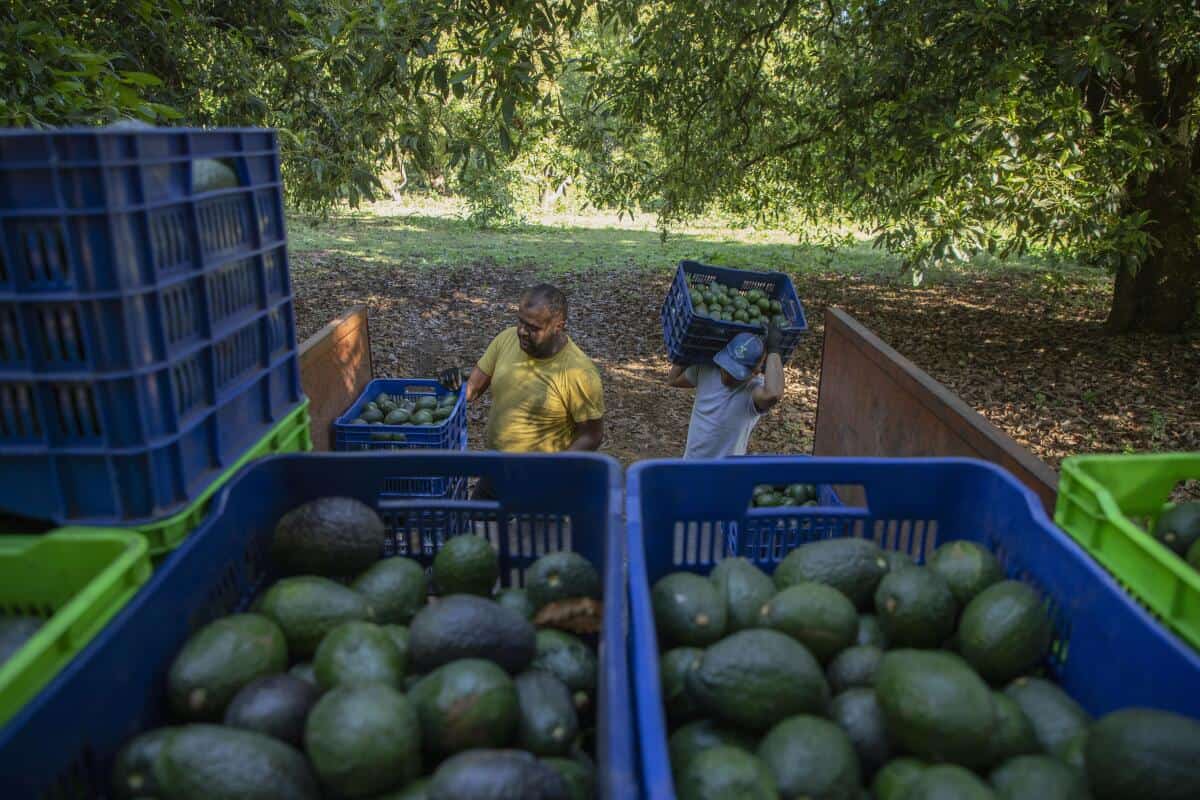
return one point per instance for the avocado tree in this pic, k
(950, 127)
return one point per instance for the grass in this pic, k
(423, 231)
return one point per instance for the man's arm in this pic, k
(677, 377)
(588, 435)
(477, 384)
(770, 392)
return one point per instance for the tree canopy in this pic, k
(945, 127)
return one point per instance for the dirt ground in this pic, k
(1030, 357)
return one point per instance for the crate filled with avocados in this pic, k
(401, 413)
(833, 667)
(1120, 509)
(707, 306)
(425, 674)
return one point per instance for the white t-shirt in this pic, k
(722, 416)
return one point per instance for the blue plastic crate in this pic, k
(693, 339)
(146, 325)
(450, 434)
(673, 509)
(63, 742)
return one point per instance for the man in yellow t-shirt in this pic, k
(546, 394)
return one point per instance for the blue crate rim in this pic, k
(12, 133)
(650, 719)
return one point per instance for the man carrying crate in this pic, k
(731, 394)
(546, 393)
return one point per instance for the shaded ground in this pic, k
(1025, 350)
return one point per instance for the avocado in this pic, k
(966, 567)
(673, 667)
(212, 762)
(852, 566)
(547, 723)
(756, 678)
(687, 610)
(898, 560)
(14, 633)
(1074, 752)
(465, 704)
(363, 740)
(330, 536)
(580, 777)
(1056, 718)
(725, 773)
(818, 616)
(133, 770)
(935, 705)
(567, 657)
(893, 780)
(220, 659)
(915, 608)
(395, 588)
(275, 705)
(497, 775)
(399, 636)
(466, 626)
(948, 782)
(857, 712)
(1193, 555)
(1004, 631)
(518, 600)
(417, 790)
(466, 564)
(355, 654)
(427, 402)
(561, 576)
(811, 757)
(1139, 753)
(1040, 777)
(304, 671)
(870, 632)
(695, 737)
(397, 416)
(1013, 733)
(308, 607)
(1179, 527)
(745, 589)
(854, 666)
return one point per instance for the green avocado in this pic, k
(363, 740)
(1055, 716)
(330, 536)
(1004, 631)
(694, 738)
(212, 762)
(811, 757)
(852, 566)
(467, 626)
(966, 567)
(674, 667)
(308, 607)
(1141, 753)
(915, 608)
(724, 773)
(357, 654)
(220, 659)
(561, 576)
(466, 704)
(274, 705)
(497, 775)
(688, 610)
(466, 564)
(547, 722)
(1040, 777)
(745, 589)
(818, 616)
(858, 713)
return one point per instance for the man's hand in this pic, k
(774, 341)
(452, 379)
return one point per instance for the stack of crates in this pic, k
(147, 339)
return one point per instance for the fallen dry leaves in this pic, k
(1033, 361)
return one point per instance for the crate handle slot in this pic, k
(440, 504)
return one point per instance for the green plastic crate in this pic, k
(1099, 499)
(293, 434)
(76, 579)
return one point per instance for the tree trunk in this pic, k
(1161, 296)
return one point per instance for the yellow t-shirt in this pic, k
(536, 402)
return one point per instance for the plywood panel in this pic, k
(335, 367)
(875, 402)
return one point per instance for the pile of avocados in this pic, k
(1178, 528)
(365, 677)
(793, 494)
(726, 303)
(416, 409)
(853, 673)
